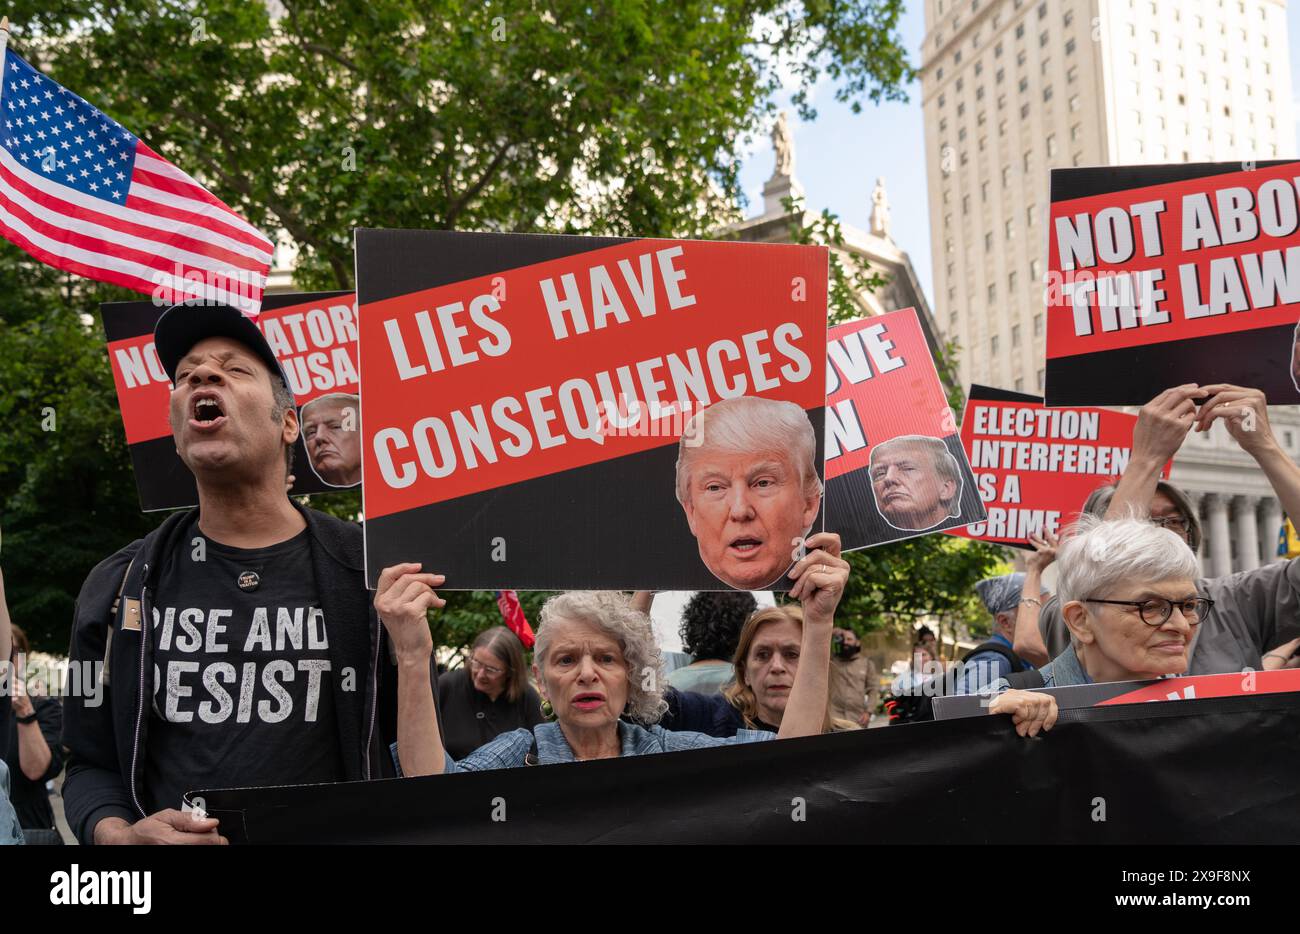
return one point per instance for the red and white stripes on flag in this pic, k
(80, 192)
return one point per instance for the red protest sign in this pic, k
(1164, 275)
(314, 336)
(895, 467)
(527, 396)
(1035, 466)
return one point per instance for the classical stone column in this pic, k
(1246, 531)
(1272, 523)
(1216, 508)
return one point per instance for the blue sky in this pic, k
(839, 155)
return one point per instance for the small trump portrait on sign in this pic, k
(747, 479)
(331, 433)
(916, 482)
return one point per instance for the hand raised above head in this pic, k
(1163, 422)
(820, 577)
(403, 600)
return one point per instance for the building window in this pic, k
(943, 124)
(1010, 230)
(1006, 176)
(993, 344)
(1015, 335)
(959, 85)
(1024, 85)
(961, 135)
(997, 50)
(1040, 380)
(939, 73)
(1042, 10)
(1028, 159)
(1069, 47)
(1074, 102)
(1076, 131)
(999, 75)
(1020, 30)
(1038, 325)
(1020, 384)
(988, 242)
(961, 109)
(1072, 73)
(1020, 57)
(979, 68)
(1024, 111)
(1042, 69)
(979, 93)
(956, 58)
(984, 191)
(1047, 93)
(980, 118)
(965, 204)
(1002, 128)
(1011, 282)
(1068, 18)
(1042, 39)
(940, 100)
(1002, 101)
(993, 292)
(1035, 269)
(1029, 215)
(963, 157)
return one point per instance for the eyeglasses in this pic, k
(1157, 610)
(490, 669)
(1172, 523)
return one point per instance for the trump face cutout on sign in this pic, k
(747, 479)
(332, 435)
(916, 482)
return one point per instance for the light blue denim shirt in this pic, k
(509, 750)
(1061, 671)
(10, 832)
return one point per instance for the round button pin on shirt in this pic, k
(248, 580)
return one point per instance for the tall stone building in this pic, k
(1013, 88)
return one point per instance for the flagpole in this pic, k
(4, 47)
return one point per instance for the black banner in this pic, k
(1221, 770)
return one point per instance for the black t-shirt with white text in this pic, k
(243, 686)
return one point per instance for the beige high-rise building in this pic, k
(1013, 88)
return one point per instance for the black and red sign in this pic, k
(1111, 693)
(1162, 275)
(548, 412)
(895, 467)
(314, 337)
(1035, 466)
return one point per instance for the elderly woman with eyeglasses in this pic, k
(595, 661)
(489, 696)
(1128, 593)
(1257, 616)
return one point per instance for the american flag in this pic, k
(80, 192)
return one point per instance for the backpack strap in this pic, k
(133, 606)
(1025, 680)
(1017, 663)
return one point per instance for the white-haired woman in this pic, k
(1128, 595)
(595, 660)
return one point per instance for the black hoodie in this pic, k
(106, 735)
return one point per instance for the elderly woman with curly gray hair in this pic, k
(595, 662)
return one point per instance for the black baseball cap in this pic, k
(182, 326)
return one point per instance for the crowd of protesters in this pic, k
(277, 600)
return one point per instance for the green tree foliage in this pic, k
(604, 117)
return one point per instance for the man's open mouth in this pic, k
(206, 411)
(746, 545)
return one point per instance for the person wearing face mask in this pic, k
(596, 662)
(855, 682)
(489, 696)
(1257, 613)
